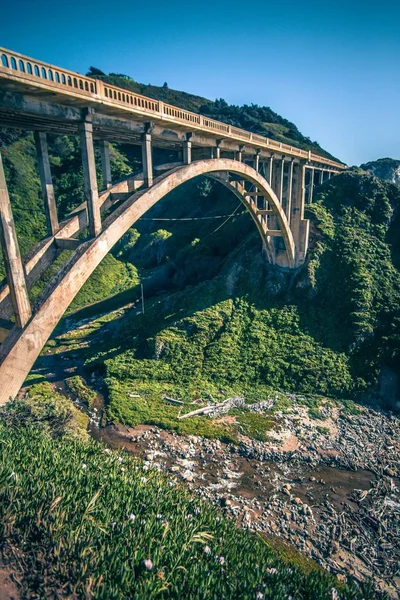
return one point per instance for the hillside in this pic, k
(307, 359)
(384, 168)
(258, 119)
(213, 305)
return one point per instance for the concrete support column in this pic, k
(290, 191)
(321, 179)
(147, 160)
(239, 155)
(46, 182)
(299, 225)
(105, 163)
(257, 162)
(270, 170)
(281, 176)
(217, 149)
(187, 152)
(329, 174)
(278, 174)
(311, 193)
(12, 257)
(89, 178)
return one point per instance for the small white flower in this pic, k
(272, 571)
(259, 596)
(107, 450)
(207, 549)
(119, 459)
(148, 564)
(84, 466)
(221, 560)
(122, 469)
(132, 517)
(143, 479)
(335, 594)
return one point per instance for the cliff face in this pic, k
(384, 168)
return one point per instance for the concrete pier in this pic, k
(147, 160)
(311, 190)
(12, 257)
(46, 183)
(187, 152)
(289, 191)
(89, 178)
(299, 225)
(270, 170)
(105, 163)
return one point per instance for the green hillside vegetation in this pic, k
(220, 321)
(22, 175)
(258, 119)
(84, 521)
(384, 168)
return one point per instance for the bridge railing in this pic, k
(126, 98)
(23, 68)
(27, 68)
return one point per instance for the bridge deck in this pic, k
(50, 84)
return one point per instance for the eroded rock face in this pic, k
(384, 168)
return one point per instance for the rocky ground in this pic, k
(329, 487)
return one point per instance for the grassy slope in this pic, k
(82, 523)
(220, 321)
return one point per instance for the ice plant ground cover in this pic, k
(79, 520)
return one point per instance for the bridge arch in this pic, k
(22, 347)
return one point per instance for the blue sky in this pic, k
(331, 67)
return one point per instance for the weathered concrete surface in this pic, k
(46, 182)
(21, 348)
(105, 163)
(12, 257)
(44, 253)
(147, 160)
(89, 178)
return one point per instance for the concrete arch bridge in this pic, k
(274, 181)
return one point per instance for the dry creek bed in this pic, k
(334, 496)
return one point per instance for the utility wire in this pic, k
(224, 223)
(190, 218)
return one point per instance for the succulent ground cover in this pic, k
(79, 520)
